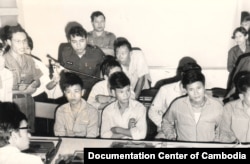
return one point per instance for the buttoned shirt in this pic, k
(84, 124)
(233, 55)
(112, 117)
(25, 73)
(162, 101)
(179, 121)
(235, 122)
(105, 40)
(138, 67)
(88, 64)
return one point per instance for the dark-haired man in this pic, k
(99, 36)
(80, 57)
(14, 136)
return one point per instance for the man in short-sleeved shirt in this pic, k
(78, 56)
(134, 64)
(99, 37)
(26, 76)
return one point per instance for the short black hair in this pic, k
(30, 42)
(14, 29)
(10, 119)
(240, 29)
(108, 63)
(121, 41)
(192, 76)
(69, 79)
(243, 82)
(118, 80)
(77, 31)
(96, 14)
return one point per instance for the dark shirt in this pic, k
(88, 64)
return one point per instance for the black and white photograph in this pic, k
(87, 81)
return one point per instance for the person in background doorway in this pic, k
(240, 35)
(99, 37)
(14, 136)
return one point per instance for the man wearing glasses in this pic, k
(26, 75)
(14, 136)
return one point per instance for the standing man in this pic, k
(25, 73)
(76, 55)
(98, 36)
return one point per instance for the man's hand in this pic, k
(131, 123)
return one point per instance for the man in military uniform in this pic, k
(78, 56)
(98, 36)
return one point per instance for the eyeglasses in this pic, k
(27, 127)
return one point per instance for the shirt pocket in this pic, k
(81, 127)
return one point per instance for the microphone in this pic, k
(84, 74)
(48, 56)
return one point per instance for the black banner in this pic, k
(161, 155)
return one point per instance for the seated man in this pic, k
(235, 119)
(79, 57)
(77, 117)
(125, 117)
(14, 136)
(100, 95)
(194, 117)
(133, 64)
(168, 93)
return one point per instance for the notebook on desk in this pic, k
(45, 148)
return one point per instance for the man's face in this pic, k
(123, 94)
(74, 94)
(98, 23)
(246, 97)
(18, 43)
(123, 55)
(240, 38)
(23, 136)
(196, 92)
(246, 25)
(79, 44)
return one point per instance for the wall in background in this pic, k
(166, 30)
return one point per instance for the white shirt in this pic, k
(112, 117)
(6, 93)
(164, 97)
(44, 79)
(138, 67)
(101, 88)
(12, 155)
